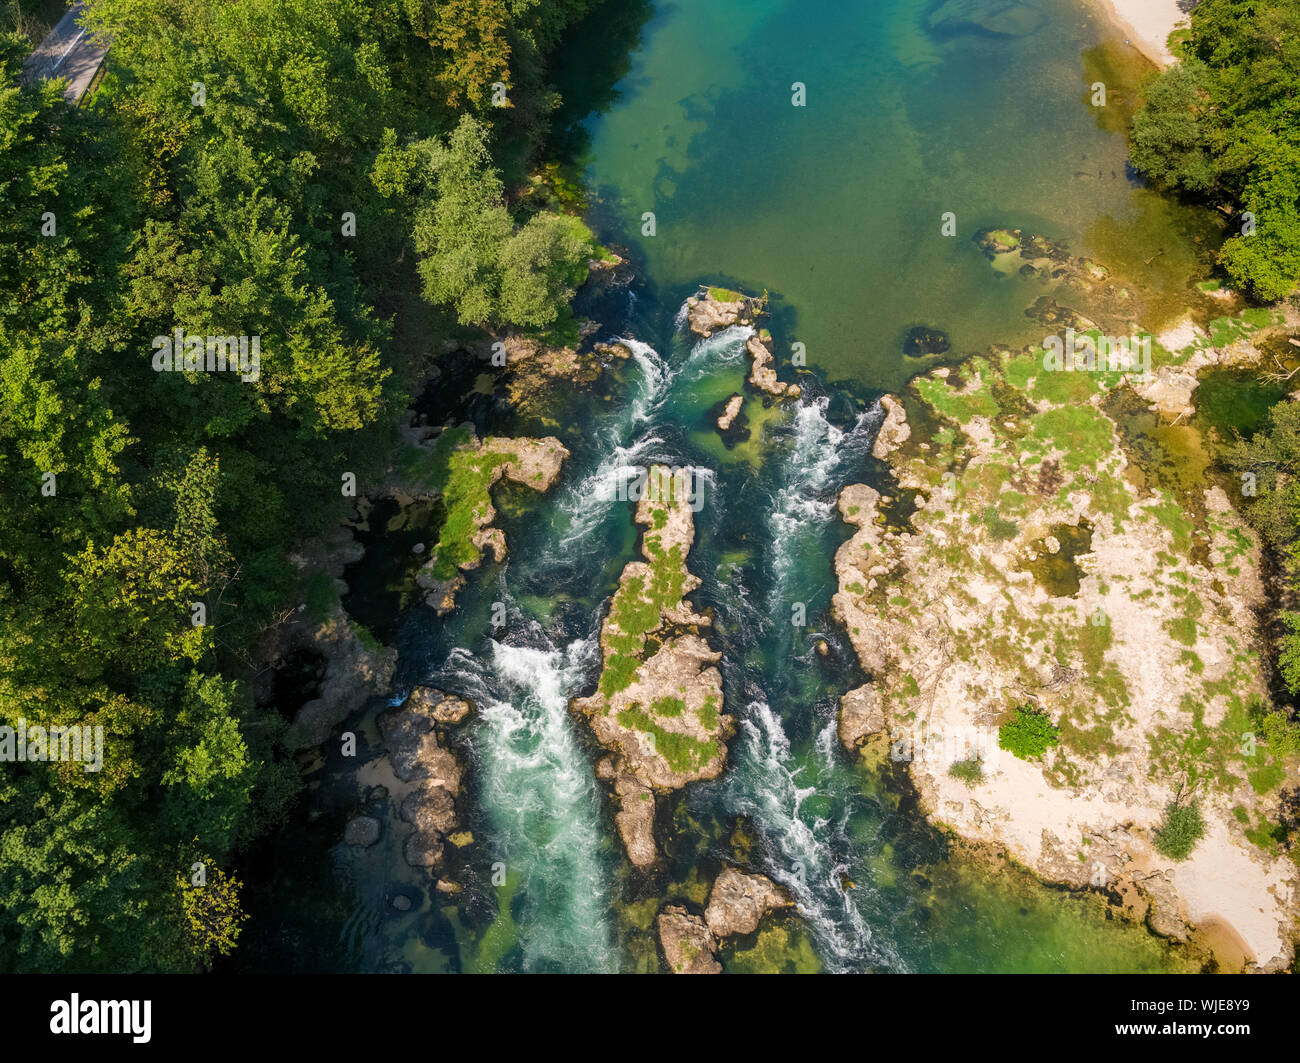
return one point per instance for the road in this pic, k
(68, 52)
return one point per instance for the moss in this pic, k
(725, 295)
(320, 596)
(682, 753)
(1082, 434)
(958, 407)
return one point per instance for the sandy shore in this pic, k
(1146, 24)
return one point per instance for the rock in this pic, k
(823, 648)
(860, 716)
(353, 674)
(635, 819)
(413, 749)
(422, 850)
(761, 373)
(894, 430)
(706, 315)
(687, 942)
(444, 708)
(738, 901)
(402, 902)
(675, 691)
(729, 414)
(418, 548)
(992, 18)
(1164, 916)
(361, 831)
(430, 809)
(445, 886)
(417, 758)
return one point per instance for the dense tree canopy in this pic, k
(1224, 124)
(298, 171)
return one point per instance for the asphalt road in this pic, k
(67, 52)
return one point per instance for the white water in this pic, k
(767, 784)
(805, 503)
(539, 791)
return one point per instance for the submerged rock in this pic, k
(993, 18)
(361, 831)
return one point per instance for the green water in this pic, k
(835, 207)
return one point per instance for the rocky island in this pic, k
(658, 704)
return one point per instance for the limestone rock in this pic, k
(687, 942)
(738, 901)
(860, 716)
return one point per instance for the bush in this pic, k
(971, 772)
(1029, 735)
(1181, 830)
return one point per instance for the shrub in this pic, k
(1181, 830)
(971, 772)
(1029, 735)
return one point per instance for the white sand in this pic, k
(1147, 25)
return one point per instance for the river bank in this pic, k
(1060, 565)
(1147, 24)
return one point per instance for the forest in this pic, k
(330, 177)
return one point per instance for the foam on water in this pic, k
(539, 792)
(807, 852)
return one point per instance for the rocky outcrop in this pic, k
(860, 716)
(728, 415)
(715, 308)
(442, 708)
(894, 430)
(635, 818)
(354, 670)
(658, 711)
(474, 468)
(761, 373)
(964, 621)
(738, 901)
(430, 769)
(687, 942)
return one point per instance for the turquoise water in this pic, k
(836, 207)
